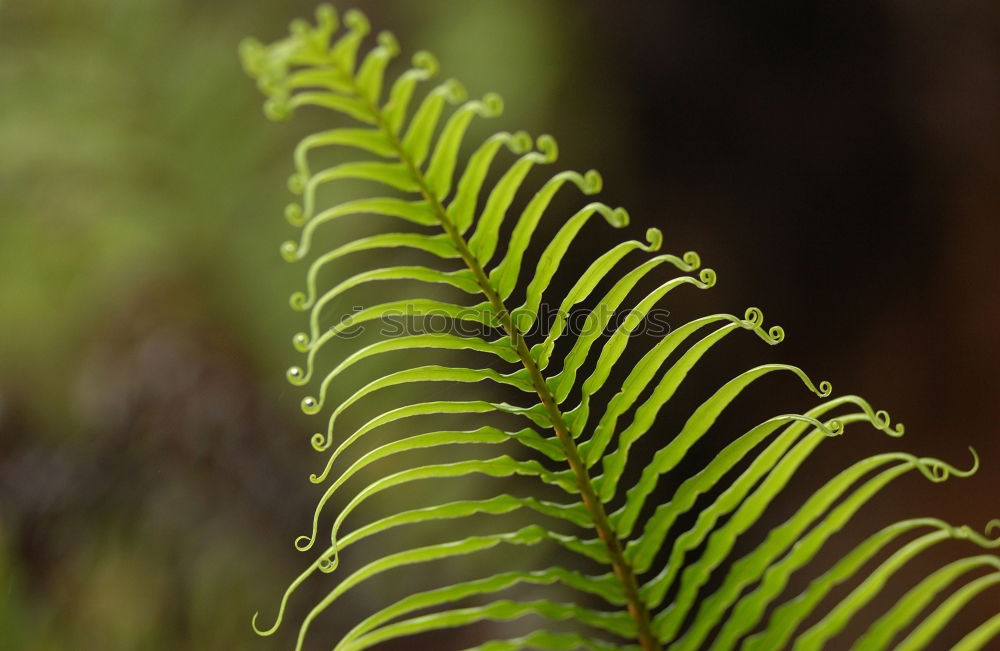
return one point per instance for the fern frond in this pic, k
(412, 152)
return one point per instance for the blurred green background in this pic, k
(839, 166)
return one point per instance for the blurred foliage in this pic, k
(149, 485)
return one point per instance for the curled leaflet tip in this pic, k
(387, 40)
(592, 182)
(356, 21)
(326, 16)
(492, 105)
(301, 342)
(299, 27)
(454, 91)
(294, 214)
(310, 405)
(753, 316)
(975, 465)
(320, 478)
(326, 564)
(268, 631)
(617, 217)
(252, 55)
(937, 470)
(319, 442)
(519, 142)
(277, 108)
(296, 376)
(884, 422)
(654, 238)
(983, 540)
(281, 606)
(297, 183)
(425, 61)
(548, 147)
(290, 251)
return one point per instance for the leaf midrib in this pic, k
(637, 607)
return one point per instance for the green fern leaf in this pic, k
(650, 584)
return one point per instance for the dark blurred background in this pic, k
(838, 164)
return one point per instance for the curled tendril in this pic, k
(315, 39)
(321, 477)
(616, 217)
(654, 238)
(619, 217)
(294, 214)
(454, 91)
(329, 561)
(296, 376)
(301, 342)
(320, 442)
(283, 605)
(268, 631)
(310, 405)
(492, 105)
(975, 464)
(387, 41)
(424, 60)
(304, 344)
(270, 84)
(692, 260)
(834, 427)
(277, 108)
(291, 252)
(547, 145)
(592, 182)
(707, 277)
(880, 419)
(584, 184)
(297, 182)
(966, 532)
(252, 53)
(299, 28)
(299, 301)
(326, 18)
(937, 470)
(519, 142)
(883, 421)
(305, 543)
(752, 320)
(824, 389)
(356, 21)
(753, 316)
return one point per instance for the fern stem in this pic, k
(637, 607)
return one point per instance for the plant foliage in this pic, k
(652, 563)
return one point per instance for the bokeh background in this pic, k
(838, 164)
